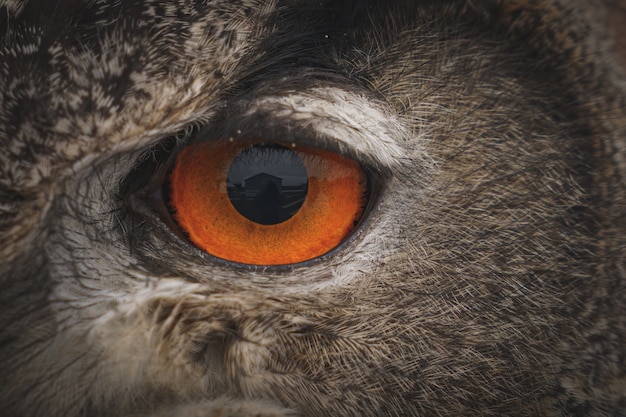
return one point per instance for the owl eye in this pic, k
(265, 203)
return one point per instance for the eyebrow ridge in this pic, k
(349, 119)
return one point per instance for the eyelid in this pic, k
(351, 120)
(330, 118)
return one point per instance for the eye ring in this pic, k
(199, 203)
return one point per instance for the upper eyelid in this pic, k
(324, 117)
(330, 118)
(355, 124)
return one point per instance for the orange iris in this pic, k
(336, 196)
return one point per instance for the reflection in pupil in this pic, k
(267, 183)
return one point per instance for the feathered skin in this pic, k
(488, 278)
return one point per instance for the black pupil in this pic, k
(267, 183)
